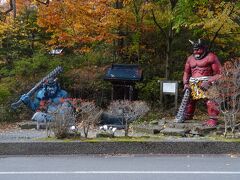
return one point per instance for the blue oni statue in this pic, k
(47, 101)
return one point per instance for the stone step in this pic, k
(32, 125)
(150, 129)
(174, 132)
(104, 135)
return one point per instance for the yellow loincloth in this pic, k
(195, 85)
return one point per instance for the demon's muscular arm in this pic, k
(186, 75)
(216, 68)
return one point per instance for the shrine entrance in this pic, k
(123, 78)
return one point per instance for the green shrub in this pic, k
(149, 91)
(4, 93)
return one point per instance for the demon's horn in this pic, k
(191, 41)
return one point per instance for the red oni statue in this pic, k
(201, 70)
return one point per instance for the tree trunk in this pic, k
(167, 70)
(168, 52)
(119, 41)
(14, 9)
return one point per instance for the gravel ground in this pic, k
(21, 135)
(29, 135)
(16, 134)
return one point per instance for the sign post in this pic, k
(169, 87)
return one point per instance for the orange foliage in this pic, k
(77, 22)
(22, 4)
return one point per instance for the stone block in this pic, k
(170, 125)
(194, 132)
(104, 135)
(179, 125)
(174, 132)
(154, 122)
(150, 129)
(32, 125)
(187, 124)
(162, 122)
(204, 130)
(73, 134)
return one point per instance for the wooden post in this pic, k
(130, 92)
(124, 92)
(161, 93)
(112, 92)
(176, 97)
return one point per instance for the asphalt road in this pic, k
(122, 167)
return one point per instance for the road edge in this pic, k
(67, 148)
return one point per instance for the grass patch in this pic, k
(119, 139)
(103, 139)
(221, 138)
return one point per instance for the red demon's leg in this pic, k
(190, 109)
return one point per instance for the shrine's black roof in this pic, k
(124, 72)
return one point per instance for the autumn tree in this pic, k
(19, 35)
(78, 23)
(12, 7)
(218, 22)
(133, 21)
(169, 16)
(214, 21)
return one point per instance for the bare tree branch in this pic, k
(12, 7)
(217, 32)
(173, 3)
(158, 25)
(45, 3)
